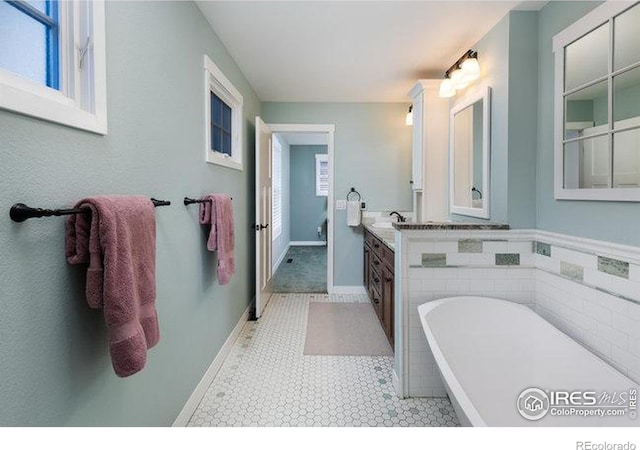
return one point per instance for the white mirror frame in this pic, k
(483, 94)
(598, 16)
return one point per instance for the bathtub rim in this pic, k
(457, 395)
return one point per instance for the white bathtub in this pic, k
(489, 351)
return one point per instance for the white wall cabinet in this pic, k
(430, 156)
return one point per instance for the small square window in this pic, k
(224, 119)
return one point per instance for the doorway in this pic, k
(300, 185)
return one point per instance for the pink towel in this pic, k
(118, 241)
(218, 212)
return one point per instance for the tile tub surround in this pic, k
(588, 289)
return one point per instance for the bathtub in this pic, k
(489, 351)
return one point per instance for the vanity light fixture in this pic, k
(409, 119)
(465, 70)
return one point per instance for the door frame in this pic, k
(330, 130)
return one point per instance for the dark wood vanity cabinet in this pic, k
(379, 280)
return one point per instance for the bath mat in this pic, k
(344, 329)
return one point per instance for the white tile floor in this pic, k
(267, 381)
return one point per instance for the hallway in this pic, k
(266, 380)
(306, 273)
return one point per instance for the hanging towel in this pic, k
(353, 213)
(118, 241)
(218, 212)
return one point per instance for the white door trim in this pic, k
(330, 129)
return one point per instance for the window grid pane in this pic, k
(220, 125)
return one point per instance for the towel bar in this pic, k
(191, 201)
(21, 212)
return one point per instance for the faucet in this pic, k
(401, 218)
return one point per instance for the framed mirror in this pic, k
(597, 105)
(469, 130)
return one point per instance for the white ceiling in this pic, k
(349, 51)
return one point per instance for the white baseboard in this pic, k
(281, 258)
(201, 389)
(349, 290)
(308, 243)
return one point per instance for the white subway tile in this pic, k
(445, 274)
(470, 274)
(421, 247)
(527, 259)
(445, 247)
(457, 259)
(588, 261)
(628, 360)
(583, 321)
(483, 285)
(458, 285)
(482, 259)
(612, 335)
(598, 279)
(612, 302)
(634, 346)
(522, 247)
(547, 263)
(634, 272)
(597, 312)
(600, 345)
(626, 325)
(495, 247)
(433, 285)
(629, 289)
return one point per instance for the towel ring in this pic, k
(353, 191)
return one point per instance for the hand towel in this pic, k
(353, 213)
(218, 212)
(117, 240)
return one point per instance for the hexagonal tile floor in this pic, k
(267, 381)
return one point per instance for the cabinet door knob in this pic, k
(389, 279)
(375, 300)
(376, 263)
(377, 280)
(376, 245)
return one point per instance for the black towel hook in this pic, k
(353, 191)
(21, 212)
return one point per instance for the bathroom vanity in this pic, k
(379, 275)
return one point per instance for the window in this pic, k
(52, 61)
(322, 175)
(598, 106)
(223, 118)
(276, 192)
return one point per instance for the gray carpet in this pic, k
(307, 272)
(344, 329)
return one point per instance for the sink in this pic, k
(383, 225)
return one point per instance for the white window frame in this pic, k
(276, 155)
(322, 158)
(597, 17)
(216, 82)
(81, 101)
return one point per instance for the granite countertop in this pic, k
(386, 235)
(450, 226)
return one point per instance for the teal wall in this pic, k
(493, 56)
(308, 212)
(372, 154)
(610, 221)
(281, 243)
(55, 366)
(523, 114)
